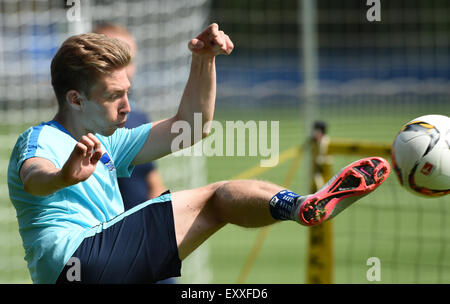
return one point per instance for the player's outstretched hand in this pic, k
(83, 160)
(211, 42)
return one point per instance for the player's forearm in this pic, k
(200, 93)
(41, 177)
(40, 182)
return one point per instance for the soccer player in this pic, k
(62, 175)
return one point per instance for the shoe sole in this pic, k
(347, 186)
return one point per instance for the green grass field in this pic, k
(407, 233)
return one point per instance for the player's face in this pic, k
(108, 106)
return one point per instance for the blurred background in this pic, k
(295, 61)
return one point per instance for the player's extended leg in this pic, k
(198, 213)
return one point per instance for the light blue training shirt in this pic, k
(52, 227)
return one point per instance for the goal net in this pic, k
(30, 34)
(370, 78)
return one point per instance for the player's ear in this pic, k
(74, 99)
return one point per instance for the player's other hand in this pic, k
(211, 42)
(83, 160)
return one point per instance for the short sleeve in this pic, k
(28, 145)
(124, 145)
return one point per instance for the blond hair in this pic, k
(82, 59)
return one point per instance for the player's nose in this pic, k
(125, 107)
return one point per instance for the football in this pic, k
(421, 155)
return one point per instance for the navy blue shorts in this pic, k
(138, 246)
